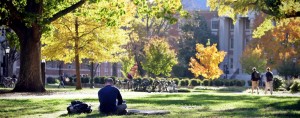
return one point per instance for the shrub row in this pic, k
(217, 82)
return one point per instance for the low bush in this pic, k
(176, 80)
(52, 80)
(277, 83)
(183, 82)
(227, 82)
(218, 82)
(194, 82)
(240, 82)
(249, 83)
(295, 87)
(85, 79)
(205, 82)
(97, 80)
(102, 80)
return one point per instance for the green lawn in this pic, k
(183, 105)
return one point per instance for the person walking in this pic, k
(269, 81)
(61, 81)
(255, 77)
(107, 97)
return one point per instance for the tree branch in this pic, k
(65, 11)
(12, 9)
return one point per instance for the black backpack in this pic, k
(79, 107)
(269, 76)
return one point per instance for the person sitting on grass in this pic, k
(107, 97)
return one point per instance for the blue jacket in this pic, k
(107, 97)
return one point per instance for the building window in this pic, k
(247, 23)
(214, 24)
(231, 24)
(231, 62)
(231, 42)
(69, 66)
(105, 67)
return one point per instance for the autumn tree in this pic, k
(206, 62)
(253, 58)
(277, 11)
(280, 45)
(159, 57)
(82, 35)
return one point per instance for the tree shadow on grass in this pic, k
(200, 99)
(286, 106)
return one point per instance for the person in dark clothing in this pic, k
(61, 81)
(107, 97)
(130, 81)
(255, 77)
(269, 81)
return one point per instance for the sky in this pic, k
(195, 5)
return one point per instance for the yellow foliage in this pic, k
(207, 62)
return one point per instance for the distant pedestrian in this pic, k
(255, 77)
(269, 81)
(61, 81)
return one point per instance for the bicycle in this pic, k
(9, 82)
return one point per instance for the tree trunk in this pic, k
(78, 79)
(30, 67)
(115, 69)
(92, 75)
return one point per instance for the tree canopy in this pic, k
(206, 61)
(278, 11)
(194, 30)
(159, 57)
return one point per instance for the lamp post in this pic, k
(7, 50)
(43, 67)
(294, 64)
(226, 70)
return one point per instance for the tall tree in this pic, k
(253, 58)
(154, 18)
(206, 62)
(194, 30)
(83, 35)
(160, 58)
(29, 18)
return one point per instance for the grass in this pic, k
(212, 103)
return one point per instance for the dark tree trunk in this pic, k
(92, 75)
(78, 78)
(115, 69)
(30, 67)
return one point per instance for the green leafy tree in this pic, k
(127, 63)
(194, 30)
(154, 18)
(253, 58)
(80, 35)
(159, 57)
(28, 19)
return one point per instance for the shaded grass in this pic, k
(208, 103)
(180, 105)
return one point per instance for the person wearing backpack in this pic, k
(269, 81)
(255, 77)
